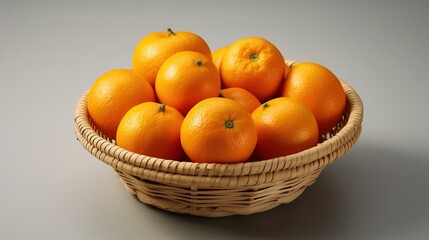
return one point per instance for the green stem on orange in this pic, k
(265, 106)
(221, 94)
(161, 107)
(170, 32)
(229, 124)
(254, 57)
(199, 63)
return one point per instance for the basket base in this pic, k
(212, 202)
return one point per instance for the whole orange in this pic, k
(152, 129)
(287, 70)
(319, 89)
(151, 52)
(254, 64)
(217, 56)
(186, 78)
(242, 96)
(112, 95)
(285, 126)
(218, 130)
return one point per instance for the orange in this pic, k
(278, 94)
(152, 129)
(287, 70)
(319, 89)
(185, 79)
(112, 95)
(218, 130)
(254, 64)
(285, 126)
(217, 56)
(242, 96)
(151, 52)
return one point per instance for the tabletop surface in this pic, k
(52, 51)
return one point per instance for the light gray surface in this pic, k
(51, 52)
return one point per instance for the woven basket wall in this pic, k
(215, 190)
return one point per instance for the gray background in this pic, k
(51, 52)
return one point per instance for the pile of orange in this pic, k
(182, 102)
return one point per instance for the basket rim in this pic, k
(138, 163)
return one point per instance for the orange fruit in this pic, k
(186, 78)
(287, 70)
(152, 129)
(217, 56)
(285, 126)
(151, 52)
(242, 96)
(218, 130)
(254, 64)
(112, 95)
(319, 89)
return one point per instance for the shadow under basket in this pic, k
(216, 190)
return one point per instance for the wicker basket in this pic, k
(215, 190)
